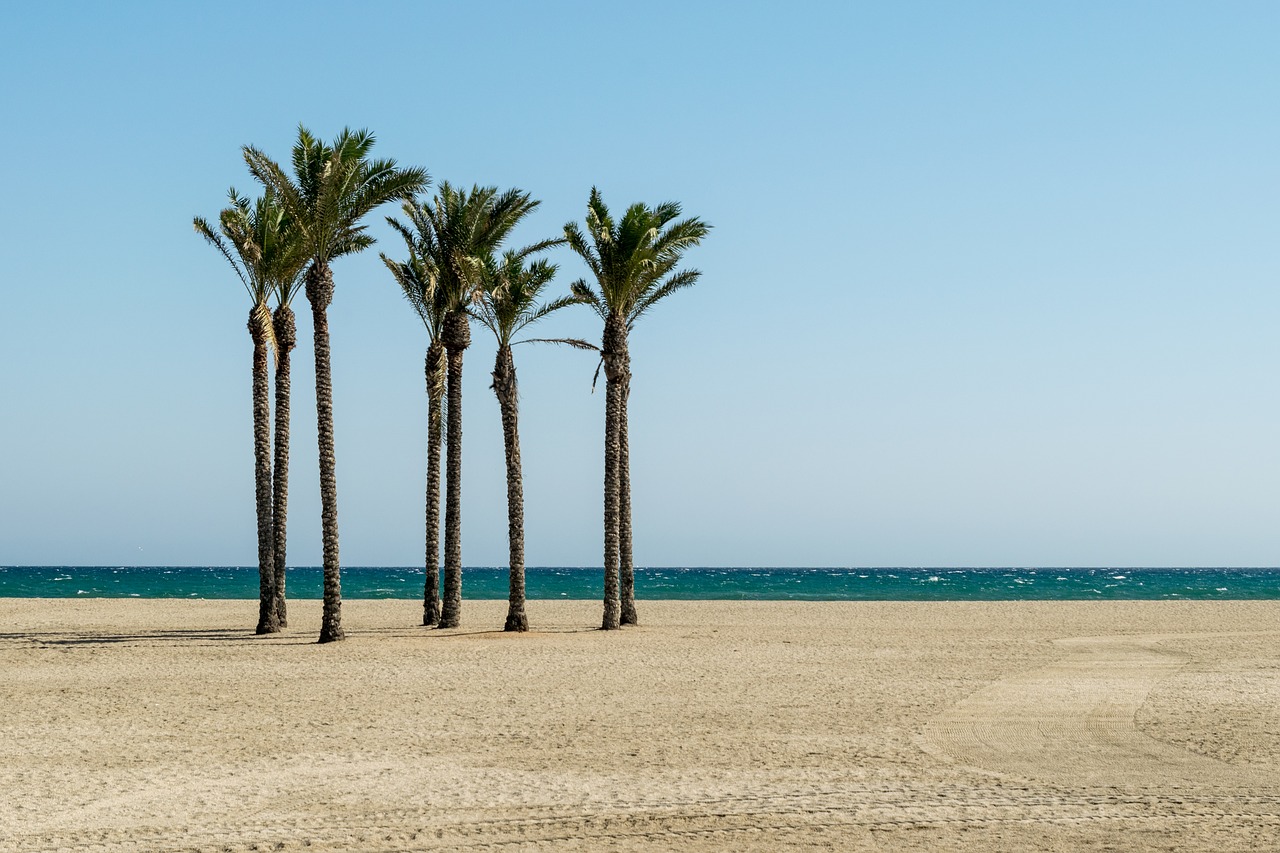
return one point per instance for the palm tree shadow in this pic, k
(189, 636)
(197, 637)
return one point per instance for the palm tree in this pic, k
(509, 304)
(418, 279)
(454, 233)
(633, 261)
(286, 339)
(332, 189)
(259, 241)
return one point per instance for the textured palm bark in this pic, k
(504, 386)
(626, 568)
(431, 589)
(612, 351)
(262, 475)
(457, 337)
(286, 340)
(320, 294)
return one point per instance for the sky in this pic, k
(990, 284)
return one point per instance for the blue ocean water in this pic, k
(758, 584)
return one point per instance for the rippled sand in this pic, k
(165, 725)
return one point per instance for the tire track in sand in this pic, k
(1072, 723)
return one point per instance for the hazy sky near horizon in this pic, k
(990, 283)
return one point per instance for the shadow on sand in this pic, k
(191, 636)
(239, 636)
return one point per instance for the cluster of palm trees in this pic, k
(456, 271)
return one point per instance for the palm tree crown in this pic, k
(260, 241)
(454, 233)
(510, 292)
(633, 260)
(333, 187)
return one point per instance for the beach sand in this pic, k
(166, 725)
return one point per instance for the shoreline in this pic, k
(676, 584)
(714, 725)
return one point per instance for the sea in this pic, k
(684, 583)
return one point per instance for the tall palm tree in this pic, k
(418, 279)
(509, 304)
(332, 189)
(260, 242)
(286, 332)
(633, 261)
(454, 232)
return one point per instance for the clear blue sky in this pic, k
(990, 283)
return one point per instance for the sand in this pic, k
(165, 725)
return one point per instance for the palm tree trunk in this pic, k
(431, 589)
(320, 294)
(504, 386)
(262, 472)
(286, 339)
(626, 568)
(611, 351)
(457, 337)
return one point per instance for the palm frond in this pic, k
(679, 281)
(205, 230)
(539, 247)
(576, 343)
(270, 175)
(436, 373)
(583, 293)
(262, 316)
(410, 239)
(550, 308)
(577, 242)
(383, 182)
(350, 244)
(681, 236)
(403, 275)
